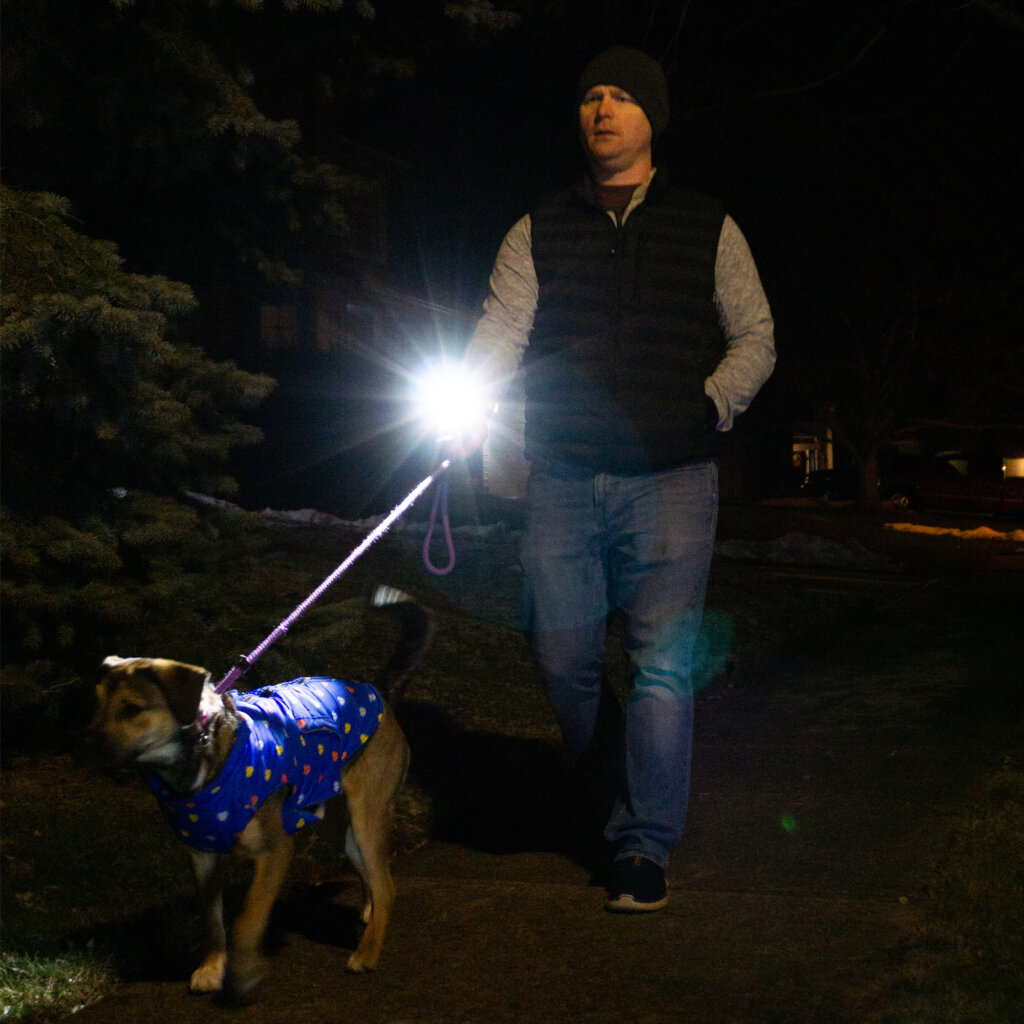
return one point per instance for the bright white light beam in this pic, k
(450, 400)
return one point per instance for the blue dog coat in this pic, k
(296, 734)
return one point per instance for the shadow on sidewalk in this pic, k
(489, 792)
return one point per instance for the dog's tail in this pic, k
(416, 626)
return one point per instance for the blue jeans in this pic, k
(640, 546)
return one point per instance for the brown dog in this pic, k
(198, 747)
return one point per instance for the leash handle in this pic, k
(440, 504)
(245, 661)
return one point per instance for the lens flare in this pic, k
(449, 399)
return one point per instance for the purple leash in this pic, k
(246, 661)
(440, 505)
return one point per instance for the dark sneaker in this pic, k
(637, 887)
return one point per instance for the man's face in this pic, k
(614, 129)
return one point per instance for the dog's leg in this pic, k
(371, 785)
(354, 855)
(368, 850)
(243, 972)
(209, 976)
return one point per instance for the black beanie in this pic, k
(641, 76)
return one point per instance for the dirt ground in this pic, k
(837, 746)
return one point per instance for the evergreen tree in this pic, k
(216, 139)
(109, 418)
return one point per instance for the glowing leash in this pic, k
(245, 661)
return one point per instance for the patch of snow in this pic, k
(793, 549)
(313, 517)
(979, 533)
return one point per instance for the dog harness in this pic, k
(296, 734)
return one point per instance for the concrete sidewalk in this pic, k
(485, 949)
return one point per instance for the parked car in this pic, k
(919, 482)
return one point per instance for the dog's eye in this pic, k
(129, 710)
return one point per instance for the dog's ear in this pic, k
(182, 686)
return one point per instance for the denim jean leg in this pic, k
(565, 601)
(664, 530)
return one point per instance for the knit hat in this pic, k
(641, 76)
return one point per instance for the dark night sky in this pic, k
(843, 136)
(846, 139)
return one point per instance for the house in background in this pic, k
(813, 451)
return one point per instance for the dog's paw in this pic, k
(209, 977)
(357, 965)
(240, 994)
(243, 975)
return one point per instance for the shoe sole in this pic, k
(626, 904)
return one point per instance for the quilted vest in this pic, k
(625, 332)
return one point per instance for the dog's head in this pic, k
(142, 704)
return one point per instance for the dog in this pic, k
(242, 773)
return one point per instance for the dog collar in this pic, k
(199, 733)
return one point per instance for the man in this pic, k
(637, 316)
